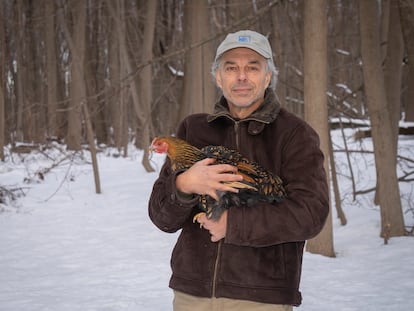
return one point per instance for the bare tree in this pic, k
(406, 8)
(2, 75)
(316, 108)
(145, 82)
(95, 63)
(2, 123)
(125, 87)
(51, 68)
(35, 115)
(335, 185)
(345, 74)
(392, 222)
(198, 89)
(292, 41)
(76, 43)
(116, 95)
(393, 70)
(278, 22)
(20, 71)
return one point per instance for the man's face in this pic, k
(243, 77)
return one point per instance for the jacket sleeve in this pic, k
(168, 209)
(303, 213)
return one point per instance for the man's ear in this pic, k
(218, 79)
(268, 78)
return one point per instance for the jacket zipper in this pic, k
(216, 268)
(236, 133)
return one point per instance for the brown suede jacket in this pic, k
(260, 258)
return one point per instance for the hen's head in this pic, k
(160, 145)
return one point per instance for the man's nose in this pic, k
(242, 74)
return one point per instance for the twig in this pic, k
(61, 183)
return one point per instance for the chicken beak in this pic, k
(151, 147)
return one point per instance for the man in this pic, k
(251, 258)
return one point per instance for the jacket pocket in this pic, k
(253, 267)
(193, 256)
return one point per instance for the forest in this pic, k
(109, 73)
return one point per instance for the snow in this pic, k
(344, 87)
(64, 247)
(343, 52)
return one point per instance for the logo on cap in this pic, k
(244, 39)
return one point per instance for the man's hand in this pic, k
(206, 178)
(217, 228)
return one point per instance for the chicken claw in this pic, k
(198, 215)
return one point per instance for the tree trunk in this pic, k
(316, 108)
(115, 94)
(19, 73)
(2, 118)
(91, 142)
(391, 58)
(145, 78)
(125, 68)
(335, 185)
(393, 71)
(406, 8)
(279, 57)
(198, 88)
(35, 87)
(78, 89)
(51, 69)
(93, 70)
(392, 222)
(2, 83)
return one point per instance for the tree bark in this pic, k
(20, 72)
(316, 108)
(406, 8)
(51, 68)
(198, 88)
(393, 71)
(95, 57)
(335, 185)
(145, 78)
(91, 142)
(35, 92)
(392, 222)
(76, 45)
(2, 84)
(115, 93)
(280, 56)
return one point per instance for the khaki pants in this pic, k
(185, 302)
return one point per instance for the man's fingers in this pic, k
(205, 177)
(225, 168)
(217, 229)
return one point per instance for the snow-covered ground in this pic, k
(65, 248)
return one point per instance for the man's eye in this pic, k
(231, 69)
(253, 68)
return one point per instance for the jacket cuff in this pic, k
(180, 198)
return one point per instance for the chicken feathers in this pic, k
(258, 184)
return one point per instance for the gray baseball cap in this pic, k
(245, 39)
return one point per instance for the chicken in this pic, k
(258, 184)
